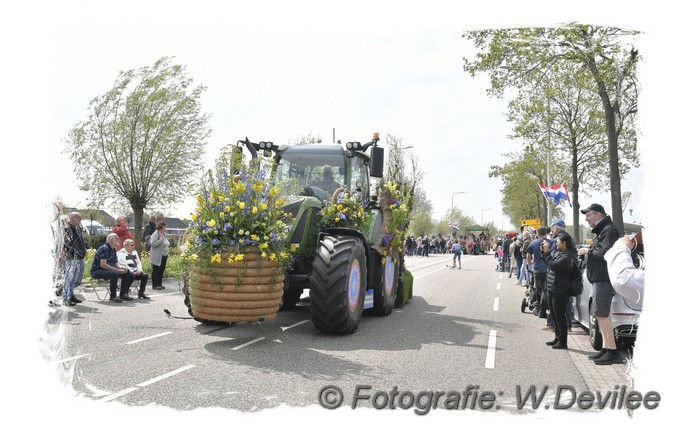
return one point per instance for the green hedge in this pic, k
(405, 289)
(172, 267)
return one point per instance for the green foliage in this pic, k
(559, 75)
(421, 224)
(143, 140)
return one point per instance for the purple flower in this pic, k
(386, 239)
(232, 242)
(199, 239)
(247, 241)
(215, 242)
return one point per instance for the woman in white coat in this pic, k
(158, 255)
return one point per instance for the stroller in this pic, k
(532, 297)
(499, 257)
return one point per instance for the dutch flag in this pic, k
(556, 192)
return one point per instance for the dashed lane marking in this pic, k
(68, 359)
(495, 303)
(129, 390)
(284, 328)
(491, 351)
(238, 347)
(149, 338)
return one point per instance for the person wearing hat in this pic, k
(606, 235)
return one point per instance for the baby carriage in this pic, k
(532, 297)
(499, 257)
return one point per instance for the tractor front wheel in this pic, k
(338, 284)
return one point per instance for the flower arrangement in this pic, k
(346, 211)
(238, 214)
(395, 201)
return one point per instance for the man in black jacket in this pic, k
(74, 255)
(603, 292)
(149, 229)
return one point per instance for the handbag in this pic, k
(576, 281)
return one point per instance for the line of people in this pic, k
(115, 259)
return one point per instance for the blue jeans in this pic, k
(523, 275)
(570, 314)
(506, 262)
(73, 276)
(112, 276)
(519, 267)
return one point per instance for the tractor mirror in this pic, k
(377, 156)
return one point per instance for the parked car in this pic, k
(93, 227)
(624, 313)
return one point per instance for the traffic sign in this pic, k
(533, 222)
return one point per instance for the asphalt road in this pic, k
(463, 330)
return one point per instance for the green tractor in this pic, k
(343, 271)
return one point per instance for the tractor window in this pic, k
(359, 176)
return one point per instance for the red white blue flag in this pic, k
(556, 193)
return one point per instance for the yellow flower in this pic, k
(211, 223)
(272, 257)
(240, 232)
(216, 259)
(239, 257)
(193, 216)
(263, 206)
(344, 210)
(264, 255)
(283, 255)
(254, 209)
(241, 205)
(199, 198)
(273, 191)
(221, 215)
(264, 245)
(258, 187)
(337, 219)
(227, 208)
(279, 203)
(193, 257)
(231, 258)
(339, 207)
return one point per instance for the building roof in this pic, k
(176, 223)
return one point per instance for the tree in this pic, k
(516, 58)
(561, 115)
(143, 140)
(421, 224)
(306, 139)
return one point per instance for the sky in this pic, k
(279, 70)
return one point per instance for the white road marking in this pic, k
(491, 351)
(162, 377)
(248, 343)
(498, 286)
(149, 338)
(68, 359)
(423, 275)
(110, 397)
(128, 390)
(495, 304)
(283, 328)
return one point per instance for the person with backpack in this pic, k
(561, 268)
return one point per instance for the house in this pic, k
(175, 226)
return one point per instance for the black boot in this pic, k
(142, 295)
(611, 357)
(552, 343)
(598, 354)
(560, 345)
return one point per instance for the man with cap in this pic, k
(606, 235)
(556, 230)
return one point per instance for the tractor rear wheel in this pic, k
(338, 284)
(385, 294)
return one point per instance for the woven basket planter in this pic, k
(243, 291)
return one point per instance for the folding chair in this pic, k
(96, 283)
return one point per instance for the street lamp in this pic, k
(487, 209)
(453, 194)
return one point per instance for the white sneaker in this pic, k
(516, 283)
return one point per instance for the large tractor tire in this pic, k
(385, 293)
(338, 284)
